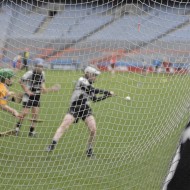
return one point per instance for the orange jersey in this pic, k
(3, 94)
(113, 60)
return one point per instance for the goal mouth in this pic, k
(132, 117)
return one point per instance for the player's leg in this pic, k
(112, 69)
(14, 64)
(26, 64)
(91, 124)
(24, 112)
(67, 121)
(35, 113)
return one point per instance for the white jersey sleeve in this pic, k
(27, 76)
(83, 81)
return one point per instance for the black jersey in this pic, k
(85, 92)
(82, 94)
(33, 82)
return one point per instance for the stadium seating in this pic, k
(5, 20)
(151, 27)
(180, 35)
(70, 28)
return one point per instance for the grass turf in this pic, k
(135, 139)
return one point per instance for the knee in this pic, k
(35, 115)
(24, 114)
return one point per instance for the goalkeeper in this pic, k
(6, 81)
(80, 109)
(33, 84)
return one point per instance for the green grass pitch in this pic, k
(134, 145)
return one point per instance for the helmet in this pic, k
(6, 73)
(92, 70)
(39, 62)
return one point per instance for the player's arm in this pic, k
(54, 88)
(10, 110)
(11, 96)
(46, 90)
(89, 89)
(11, 93)
(24, 87)
(22, 82)
(107, 95)
(99, 91)
(5, 107)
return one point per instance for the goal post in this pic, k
(142, 52)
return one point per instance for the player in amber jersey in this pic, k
(6, 81)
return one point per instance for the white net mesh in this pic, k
(143, 52)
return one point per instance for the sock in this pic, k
(18, 124)
(54, 142)
(31, 129)
(89, 146)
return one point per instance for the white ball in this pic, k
(128, 98)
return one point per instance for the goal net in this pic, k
(142, 51)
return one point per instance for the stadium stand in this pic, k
(152, 27)
(5, 18)
(179, 35)
(79, 29)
